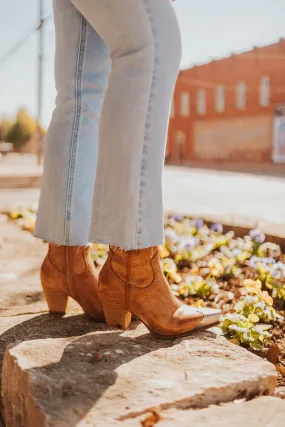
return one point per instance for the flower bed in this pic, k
(244, 277)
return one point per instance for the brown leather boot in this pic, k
(132, 282)
(69, 271)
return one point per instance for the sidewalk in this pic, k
(19, 171)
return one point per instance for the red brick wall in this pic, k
(197, 137)
(238, 139)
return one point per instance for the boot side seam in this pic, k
(141, 288)
(54, 266)
(85, 262)
(118, 277)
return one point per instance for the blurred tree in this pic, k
(5, 125)
(22, 130)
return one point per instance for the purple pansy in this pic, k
(198, 223)
(217, 228)
(188, 243)
(278, 270)
(257, 236)
(177, 218)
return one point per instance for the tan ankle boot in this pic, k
(69, 271)
(132, 282)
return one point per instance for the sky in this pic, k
(210, 29)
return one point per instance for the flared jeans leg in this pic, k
(141, 39)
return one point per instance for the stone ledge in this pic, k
(260, 412)
(63, 383)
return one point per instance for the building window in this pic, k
(201, 101)
(220, 99)
(241, 95)
(172, 111)
(264, 91)
(184, 104)
(179, 139)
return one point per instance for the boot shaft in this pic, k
(135, 268)
(132, 282)
(69, 260)
(69, 271)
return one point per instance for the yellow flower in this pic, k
(266, 298)
(179, 228)
(194, 270)
(216, 267)
(170, 269)
(254, 287)
(183, 291)
(198, 303)
(163, 252)
(253, 318)
(174, 276)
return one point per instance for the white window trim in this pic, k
(220, 98)
(180, 137)
(184, 104)
(264, 91)
(241, 92)
(201, 101)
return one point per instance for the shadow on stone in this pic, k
(74, 361)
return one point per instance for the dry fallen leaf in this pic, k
(281, 369)
(151, 419)
(272, 353)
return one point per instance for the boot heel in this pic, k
(56, 300)
(116, 315)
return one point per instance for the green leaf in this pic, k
(256, 346)
(264, 327)
(253, 318)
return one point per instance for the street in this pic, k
(202, 192)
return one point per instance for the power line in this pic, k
(17, 46)
(23, 41)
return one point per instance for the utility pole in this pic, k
(40, 80)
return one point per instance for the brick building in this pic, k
(231, 110)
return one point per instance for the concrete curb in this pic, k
(241, 225)
(20, 181)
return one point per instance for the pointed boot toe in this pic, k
(192, 318)
(132, 282)
(211, 316)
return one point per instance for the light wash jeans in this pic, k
(115, 69)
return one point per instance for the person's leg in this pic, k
(82, 66)
(144, 41)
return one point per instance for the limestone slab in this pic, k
(107, 377)
(260, 412)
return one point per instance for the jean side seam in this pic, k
(139, 230)
(75, 131)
